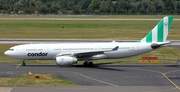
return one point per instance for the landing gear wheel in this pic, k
(85, 64)
(23, 64)
(90, 64)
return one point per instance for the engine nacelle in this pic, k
(66, 60)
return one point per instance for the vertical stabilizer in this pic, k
(160, 32)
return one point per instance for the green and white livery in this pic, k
(71, 53)
(160, 31)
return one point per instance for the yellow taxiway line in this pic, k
(164, 74)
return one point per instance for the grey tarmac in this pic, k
(112, 77)
(90, 89)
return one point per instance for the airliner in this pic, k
(71, 53)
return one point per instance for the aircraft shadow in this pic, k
(98, 66)
(104, 65)
(129, 65)
(39, 65)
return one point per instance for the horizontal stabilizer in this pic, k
(156, 45)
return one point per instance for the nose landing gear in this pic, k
(23, 63)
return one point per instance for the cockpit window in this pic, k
(11, 49)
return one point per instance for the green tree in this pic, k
(105, 7)
(31, 4)
(0, 6)
(16, 7)
(150, 8)
(168, 7)
(28, 11)
(122, 7)
(137, 7)
(38, 4)
(43, 10)
(76, 10)
(142, 10)
(94, 5)
(177, 7)
(158, 4)
(5, 6)
(53, 10)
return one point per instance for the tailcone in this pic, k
(158, 45)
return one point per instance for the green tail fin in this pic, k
(160, 31)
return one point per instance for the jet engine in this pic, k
(66, 60)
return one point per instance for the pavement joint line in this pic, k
(164, 74)
(98, 80)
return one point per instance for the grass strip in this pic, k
(26, 80)
(79, 29)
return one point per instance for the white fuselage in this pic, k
(67, 54)
(50, 51)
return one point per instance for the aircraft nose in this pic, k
(12, 54)
(9, 53)
(6, 53)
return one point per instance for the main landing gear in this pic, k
(87, 63)
(23, 63)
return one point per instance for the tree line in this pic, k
(90, 6)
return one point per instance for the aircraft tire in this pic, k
(90, 64)
(85, 64)
(23, 64)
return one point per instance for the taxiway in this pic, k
(124, 78)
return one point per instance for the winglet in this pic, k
(116, 48)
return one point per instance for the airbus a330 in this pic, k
(71, 53)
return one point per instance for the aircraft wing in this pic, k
(87, 53)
